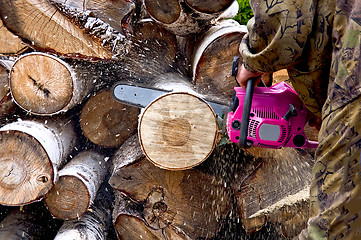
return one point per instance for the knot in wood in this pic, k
(159, 208)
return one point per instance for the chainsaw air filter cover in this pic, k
(277, 118)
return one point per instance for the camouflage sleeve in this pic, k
(277, 34)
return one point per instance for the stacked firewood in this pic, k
(66, 143)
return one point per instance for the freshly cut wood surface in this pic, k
(31, 154)
(276, 186)
(185, 204)
(107, 122)
(166, 11)
(43, 26)
(79, 181)
(213, 59)
(9, 43)
(177, 131)
(209, 6)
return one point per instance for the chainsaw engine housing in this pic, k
(277, 118)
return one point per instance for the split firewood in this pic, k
(6, 103)
(44, 27)
(186, 17)
(28, 223)
(79, 181)
(10, 44)
(95, 223)
(178, 131)
(45, 85)
(107, 122)
(31, 154)
(213, 58)
(185, 204)
(275, 190)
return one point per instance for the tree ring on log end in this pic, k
(22, 160)
(209, 6)
(41, 83)
(177, 131)
(68, 199)
(165, 11)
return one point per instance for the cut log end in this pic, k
(25, 175)
(209, 6)
(107, 122)
(43, 88)
(64, 202)
(165, 11)
(178, 131)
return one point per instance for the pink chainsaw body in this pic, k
(268, 126)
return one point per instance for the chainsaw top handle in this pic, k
(246, 113)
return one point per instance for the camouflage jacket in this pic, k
(318, 41)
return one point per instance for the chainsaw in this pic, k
(268, 117)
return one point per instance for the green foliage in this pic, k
(245, 12)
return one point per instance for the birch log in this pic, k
(178, 131)
(31, 154)
(95, 224)
(46, 85)
(6, 103)
(107, 122)
(79, 181)
(45, 28)
(185, 204)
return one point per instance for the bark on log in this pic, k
(107, 122)
(6, 103)
(10, 44)
(46, 85)
(79, 181)
(178, 131)
(213, 57)
(185, 17)
(275, 190)
(179, 204)
(95, 224)
(43, 26)
(31, 154)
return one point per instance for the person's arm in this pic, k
(277, 35)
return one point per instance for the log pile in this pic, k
(95, 168)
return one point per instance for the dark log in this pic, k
(6, 103)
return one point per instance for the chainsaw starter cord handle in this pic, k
(246, 113)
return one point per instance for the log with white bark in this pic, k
(107, 122)
(46, 85)
(44, 27)
(10, 44)
(185, 204)
(79, 181)
(276, 190)
(186, 17)
(31, 154)
(178, 131)
(6, 103)
(213, 57)
(95, 224)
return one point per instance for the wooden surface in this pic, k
(213, 59)
(41, 83)
(166, 11)
(188, 204)
(107, 122)
(177, 131)
(9, 43)
(31, 154)
(209, 6)
(79, 181)
(44, 27)
(6, 103)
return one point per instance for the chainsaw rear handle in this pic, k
(247, 103)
